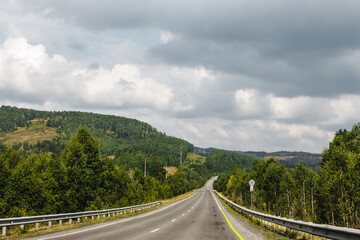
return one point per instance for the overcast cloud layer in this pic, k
(241, 75)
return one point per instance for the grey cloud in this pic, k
(15, 96)
(94, 66)
(315, 76)
(77, 46)
(285, 44)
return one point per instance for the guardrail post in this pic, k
(49, 223)
(98, 216)
(70, 221)
(92, 217)
(22, 227)
(4, 231)
(60, 222)
(37, 226)
(78, 220)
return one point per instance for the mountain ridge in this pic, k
(287, 158)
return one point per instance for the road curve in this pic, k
(200, 216)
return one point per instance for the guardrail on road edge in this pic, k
(322, 230)
(8, 222)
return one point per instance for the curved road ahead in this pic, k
(200, 216)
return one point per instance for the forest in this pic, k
(71, 172)
(118, 136)
(79, 179)
(330, 196)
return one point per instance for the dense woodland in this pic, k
(72, 173)
(331, 196)
(118, 136)
(79, 179)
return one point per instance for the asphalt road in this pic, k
(200, 216)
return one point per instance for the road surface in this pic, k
(200, 216)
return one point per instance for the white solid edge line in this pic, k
(121, 221)
(215, 200)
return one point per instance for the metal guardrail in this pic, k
(8, 222)
(322, 230)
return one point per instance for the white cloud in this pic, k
(251, 103)
(166, 36)
(346, 108)
(124, 86)
(290, 108)
(28, 69)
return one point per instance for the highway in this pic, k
(200, 216)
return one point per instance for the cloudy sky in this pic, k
(233, 74)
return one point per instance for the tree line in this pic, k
(330, 196)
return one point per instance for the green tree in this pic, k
(84, 167)
(340, 180)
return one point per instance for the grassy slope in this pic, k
(36, 132)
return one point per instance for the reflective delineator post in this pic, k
(251, 190)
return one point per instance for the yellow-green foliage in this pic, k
(193, 158)
(36, 132)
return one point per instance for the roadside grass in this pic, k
(271, 231)
(36, 132)
(30, 230)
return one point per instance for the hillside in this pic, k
(36, 131)
(49, 131)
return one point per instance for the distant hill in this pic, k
(289, 159)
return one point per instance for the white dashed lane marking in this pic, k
(155, 230)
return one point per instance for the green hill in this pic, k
(50, 131)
